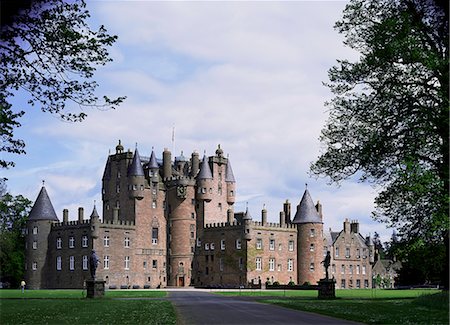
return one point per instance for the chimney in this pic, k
(230, 216)
(167, 163)
(287, 211)
(65, 216)
(346, 226)
(354, 226)
(115, 215)
(80, 214)
(195, 164)
(264, 216)
(282, 219)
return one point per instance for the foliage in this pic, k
(389, 119)
(49, 51)
(14, 212)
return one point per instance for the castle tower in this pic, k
(231, 184)
(309, 241)
(41, 217)
(204, 181)
(136, 178)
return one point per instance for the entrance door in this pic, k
(181, 281)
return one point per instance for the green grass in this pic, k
(70, 307)
(367, 306)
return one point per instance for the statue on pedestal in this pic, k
(93, 264)
(326, 263)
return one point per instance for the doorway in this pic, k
(181, 281)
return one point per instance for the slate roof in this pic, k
(153, 164)
(43, 208)
(306, 211)
(135, 168)
(205, 170)
(247, 215)
(94, 213)
(107, 172)
(229, 176)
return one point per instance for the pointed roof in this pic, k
(135, 168)
(43, 208)
(94, 213)
(247, 215)
(229, 176)
(153, 164)
(306, 211)
(205, 170)
(107, 172)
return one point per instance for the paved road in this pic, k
(196, 307)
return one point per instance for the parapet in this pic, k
(71, 224)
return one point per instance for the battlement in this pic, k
(223, 225)
(273, 225)
(71, 224)
(125, 223)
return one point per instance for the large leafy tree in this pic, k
(389, 118)
(48, 50)
(14, 212)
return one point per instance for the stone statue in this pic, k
(93, 263)
(326, 263)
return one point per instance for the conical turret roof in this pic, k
(229, 176)
(135, 168)
(205, 170)
(43, 208)
(306, 211)
(94, 213)
(153, 164)
(247, 215)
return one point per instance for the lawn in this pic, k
(367, 306)
(69, 307)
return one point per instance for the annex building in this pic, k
(171, 222)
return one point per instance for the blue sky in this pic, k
(245, 75)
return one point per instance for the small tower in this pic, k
(309, 241)
(153, 168)
(136, 178)
(204, 181)
(39, 223)
(231, 184)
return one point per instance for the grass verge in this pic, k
(75, 294)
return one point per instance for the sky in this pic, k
(246, 75)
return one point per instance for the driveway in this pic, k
(197, 307)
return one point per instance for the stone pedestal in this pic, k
(95, 288)
(327, 288)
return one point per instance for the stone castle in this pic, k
(172, 223)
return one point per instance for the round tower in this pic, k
(231, 184)
(136, 178)
(167, 163)
(309, 241)
(204, 181)
(153, 168)
(39, 224)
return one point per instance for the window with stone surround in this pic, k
(211, 246)
(358, 255)
(342, 269)
(207, 247)
(311, 247)
(222, 244)
(35, 230)
(336, 251)
(311, 267)
(126, 242)
(106, 241)
(241, 263)
(350, 269)
(312, 232)
(258, 264)
(58, 243)
(34, 266)
(34, 244)
(290, 266)
(358, 269)
(291, 245)
(127, 263)
(221, 264)
(58, 263)
(154, 235)
(343, 284)
(272, 244)
(366, 283)
(106, 262)
(72, 263)
(258, 243)
(358, 283)
(71, 242)
(85, 262)
(347, 252)
(363, 269)
(84, 241)
(238, 244)
(154, 204)
(271, 264)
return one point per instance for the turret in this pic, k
(95, 222)
(180, 163)
(195, 164)
(204, 181)
(231, 184)
(264, 216)
(136, 178)
(41, 217)
(309, 241)
(153, 168)
(247, 218)
(167, 163)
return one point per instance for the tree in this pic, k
(14, 211)
(389, 118)
(49, 51)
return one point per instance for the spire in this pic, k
(43, 208)
(94, 213)
(135, 168)
(229, 176)
(153, 164)
(205, 170)
(306, 211)
(247, 215)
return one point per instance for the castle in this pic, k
(172, 223)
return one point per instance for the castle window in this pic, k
(241, 263)
(221, 264)
(336, 252)
(272, 244)
(291, 245)
(118, 188)
(231, 193)
(290, 266)
(279, 267)
(206, 271)
(192, 215)
(126, 242)
(34, 244)
(107, 206)
(311, 247)
(134, 187)
(212, 246)
(358, 255)
(72, 263)
(220, 176)
(258, 264)
(118, 204)
(154, 204)
(222, 244)
(199, 242)
(311, 267)
(58, 243)
(343, 284)
(258, 243)
(357, 269)
(144, 264)
(364, 269)
(312, 232)
(58, 263)
(142, 187)
(84, 241)
(106, 241)
(154, 191)
(203, 190)
(366, 283)
(238, 244)
(342, 269)
(347, 252)
(154, 236)
(106, 262)
(219, 205)
(358, 283)
(154, 264)
(206, 247)
(280, 247)
(364, 253)
(210, 190)
(271, 264)
(85, 262)
(118, 174)
(127, 263)
(34, 266)
(71, 242)
(35, 230)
